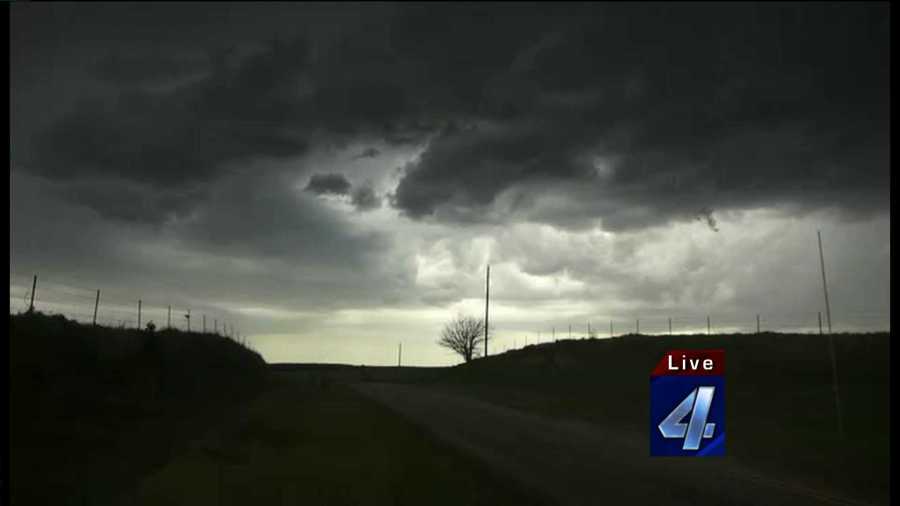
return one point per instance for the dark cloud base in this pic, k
(758, 104)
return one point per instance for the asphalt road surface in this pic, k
(576, 463)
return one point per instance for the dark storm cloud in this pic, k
(181, 136)
(689, 105)
(364, 198)
(164, 150)
(367, 153)
(324, 184)
(275, 243)
(636, 114)
(260, 217)
(131, 202)
(146, 68)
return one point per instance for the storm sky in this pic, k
(332, 179)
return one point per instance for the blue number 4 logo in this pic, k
(696, 404)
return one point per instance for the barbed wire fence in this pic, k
(111, 308)
(506, 336)
(115, 309)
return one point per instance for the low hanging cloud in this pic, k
(753, 119)
(695, 105)
(364, 198)
(367, 153)
(328, 184)
(706, 215)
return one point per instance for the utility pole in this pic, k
(554, 334)
(820, 323)
(824, 282)
(33, 287)
(637, 326)
(204, 324)
(487, 300)
(610, 329)
(188, 318)
(139, 314)
(399, 354)
(834, 373)
(670, 325)
(570, 331)
(169, 318)
(216, 325)
(589, 330)
(96, 303)
(708, 327)
(757, 324)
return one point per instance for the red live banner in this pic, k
(691, 363)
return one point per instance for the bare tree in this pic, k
(464, 335)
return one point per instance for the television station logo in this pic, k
(687, 404)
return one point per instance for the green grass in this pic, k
(325, 444)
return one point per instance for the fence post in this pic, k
(33, 287)
(96, 303)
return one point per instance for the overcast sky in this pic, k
(333, 179)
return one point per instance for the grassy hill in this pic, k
(780, 401)
(92, 409)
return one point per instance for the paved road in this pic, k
(576, 463)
